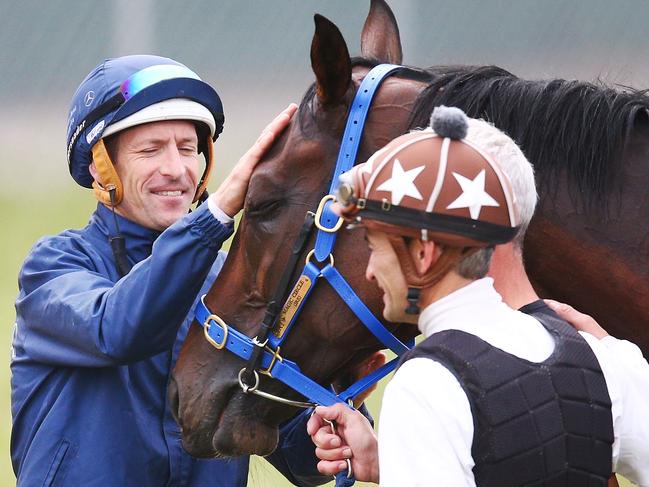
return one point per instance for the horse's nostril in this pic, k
(174, 399)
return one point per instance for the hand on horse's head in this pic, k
(230, 195)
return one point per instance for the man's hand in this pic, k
(354, 438)
(230, 195)
(580, 321)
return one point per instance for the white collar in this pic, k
(473, 304)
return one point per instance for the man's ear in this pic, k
(93, 171)
(424, 255)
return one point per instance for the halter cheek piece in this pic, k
(262, 353)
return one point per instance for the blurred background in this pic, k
(256, 54)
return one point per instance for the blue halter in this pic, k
(224, 336)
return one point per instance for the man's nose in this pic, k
(369, 272)
(172, 163)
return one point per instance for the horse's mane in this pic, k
(576, 126)
(569, 125)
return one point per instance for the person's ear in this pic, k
(93, 171)
(424, 254)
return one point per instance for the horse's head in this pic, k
(216, 416)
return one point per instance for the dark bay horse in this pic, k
(588, 245)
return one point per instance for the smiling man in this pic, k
(103, 310)
(159, 170)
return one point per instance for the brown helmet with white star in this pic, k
(433, 184)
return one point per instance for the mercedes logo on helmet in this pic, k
(89, 98)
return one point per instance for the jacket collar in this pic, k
(139, 240)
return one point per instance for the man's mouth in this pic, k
(169, 193)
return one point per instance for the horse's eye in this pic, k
(263, 208)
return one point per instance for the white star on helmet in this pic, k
(473, 196)
(402, 183)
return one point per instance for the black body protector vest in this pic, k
(535, 424)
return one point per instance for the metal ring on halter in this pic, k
(253, 390)
(312, 251)
(318, 215)
(206, 331)
(245, 387)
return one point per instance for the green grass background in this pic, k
(24, 220)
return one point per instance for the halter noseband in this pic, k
(262, 353)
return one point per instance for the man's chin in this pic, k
(399, 315)
(165, 218)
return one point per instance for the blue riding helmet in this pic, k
(130, 90)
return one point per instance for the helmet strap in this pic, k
(108, 190)
(447, 261)
(413, 301)
(201, 191)
(107, 179)
(117, 242)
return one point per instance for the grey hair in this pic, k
(476, 265)
(514, 164)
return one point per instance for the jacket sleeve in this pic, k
(70, 314)
(295, 456)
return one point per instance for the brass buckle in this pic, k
(276, 356)
(206, 331)
(318, 215)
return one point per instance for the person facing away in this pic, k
(102, 311)
(492, 396)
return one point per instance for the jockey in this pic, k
(102, 311)
(491, 396)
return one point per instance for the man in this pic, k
(102, 311)
(474, 404)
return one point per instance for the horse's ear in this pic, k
(330, 61)
(380, 38)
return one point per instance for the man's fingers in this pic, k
(331, 468)
(268, 136)
(333, 454)
(568, 313)
(578, 320)
(324, 438)
(332, 413)
(314, 424)
(272, 131)
(281, 121)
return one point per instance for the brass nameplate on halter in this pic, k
(292, 304)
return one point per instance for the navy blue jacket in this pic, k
(92, 355)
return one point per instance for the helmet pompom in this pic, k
(449, 122)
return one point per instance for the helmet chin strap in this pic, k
(117, 242)
(201, 191)
(447, 261)
(108, 190)
(413, 301)
(107, 179)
